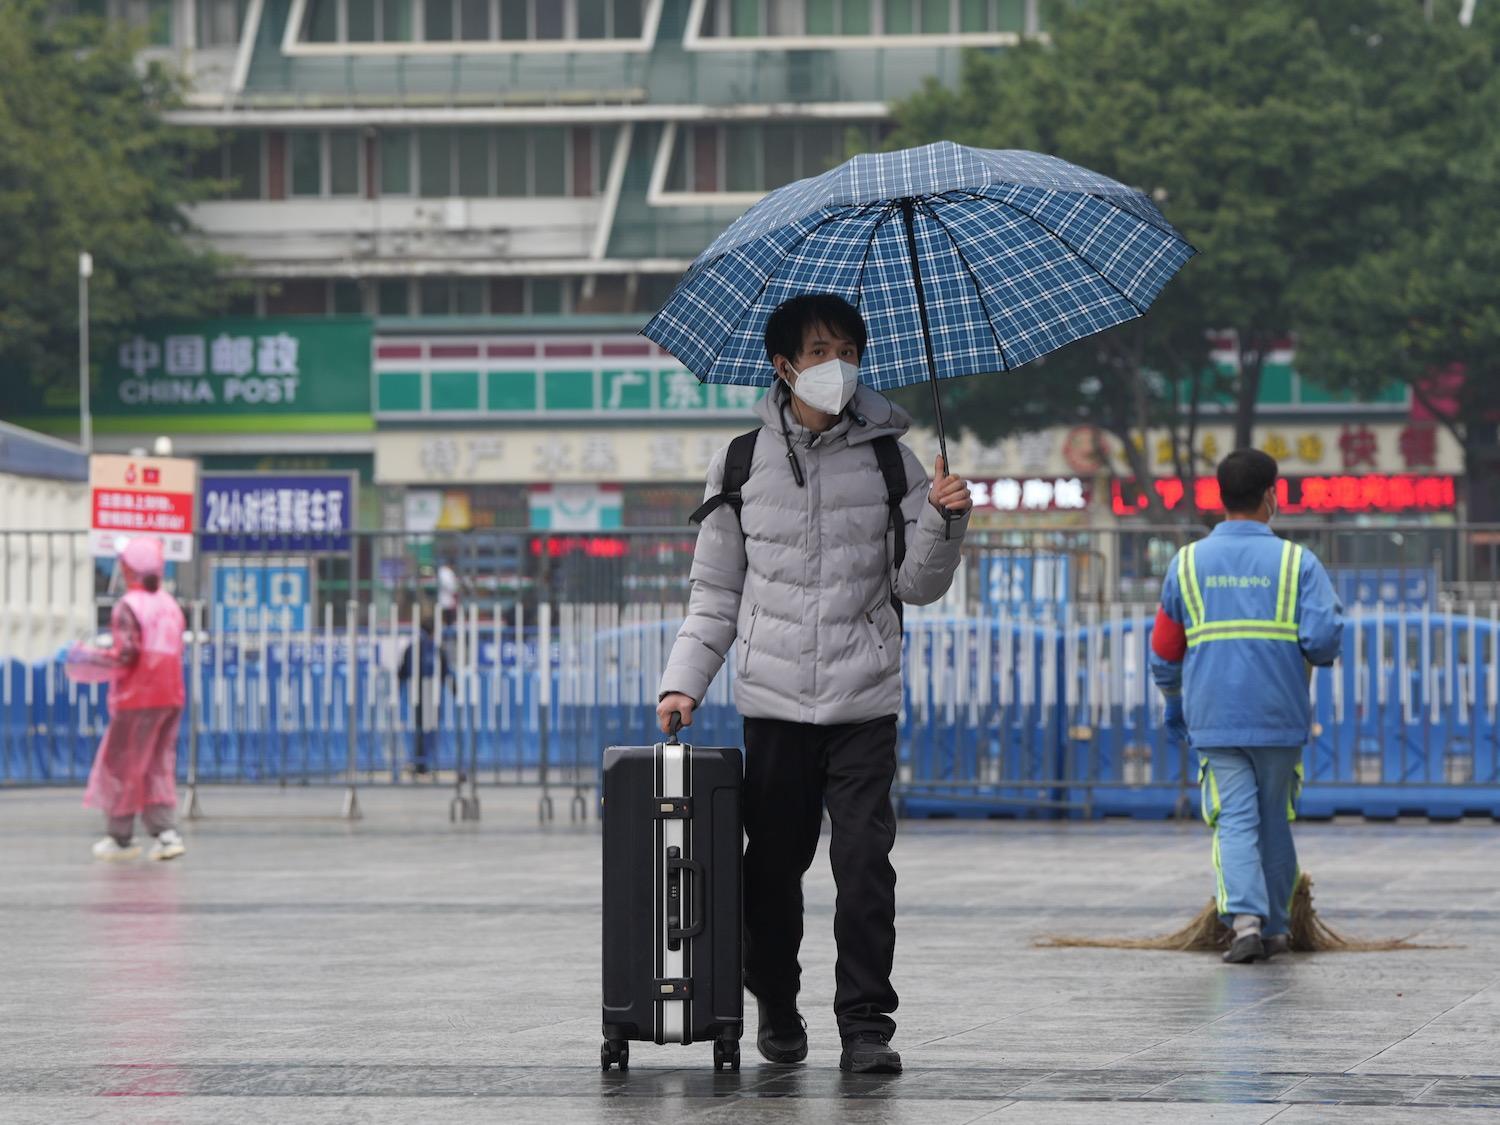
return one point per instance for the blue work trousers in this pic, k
(1249, 799)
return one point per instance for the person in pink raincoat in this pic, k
(134, 771)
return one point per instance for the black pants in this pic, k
(791, 771)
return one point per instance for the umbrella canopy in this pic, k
(963, 261)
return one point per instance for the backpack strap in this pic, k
(893, 470)
(737, 463)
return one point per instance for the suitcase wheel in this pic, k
(726, 1054)
(616, 1052)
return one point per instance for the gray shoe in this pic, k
(1277, 943)
(782, 1037)
(1247, 947)
(870, 1052)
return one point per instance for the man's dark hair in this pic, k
(786, 326)
(1244, 478)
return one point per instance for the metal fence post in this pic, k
(544, 704)
(476, 699)
(464, 807)
(351, 721)
(194, 809)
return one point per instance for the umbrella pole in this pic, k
(908, 214)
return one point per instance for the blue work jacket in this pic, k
(1257, 611)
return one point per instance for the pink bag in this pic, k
(89, 664)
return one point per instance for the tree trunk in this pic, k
(1247, 394)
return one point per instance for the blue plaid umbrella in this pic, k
(962, 260)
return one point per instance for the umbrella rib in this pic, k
(973, 277)
(766, 282)
(887, 212)
(1072, 250)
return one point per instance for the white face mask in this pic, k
(828, 386)
(1273, 507)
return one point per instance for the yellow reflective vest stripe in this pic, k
(1282, 627)
(1187, 580)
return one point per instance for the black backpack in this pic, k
(741, 456)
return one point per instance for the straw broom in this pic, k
(1206, 933)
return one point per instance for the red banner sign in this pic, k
(1315, 495)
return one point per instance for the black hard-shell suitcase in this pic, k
(672, 853)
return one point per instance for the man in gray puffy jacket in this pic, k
(803, 582)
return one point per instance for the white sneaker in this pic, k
(109, 850)
(168, 845)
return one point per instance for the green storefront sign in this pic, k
(233, 374)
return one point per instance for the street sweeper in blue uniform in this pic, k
(1245, 615)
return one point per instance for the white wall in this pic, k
(392, 229)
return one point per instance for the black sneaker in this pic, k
(1247, 947)
(1277, 944)
(783, 1034)
(870, 1052)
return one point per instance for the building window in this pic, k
(323, 21)
(652, 291)
(397, 24)
(470, 21)
(359, 22)
(312, 297)
(435, 162)
(306, 163)
(348, 297)
(324, 163)
(243, 165)
(753, 158)
(508, 162)
(548, 295)
(603, 19)
(393, 297)
(762, 18)
(344, 164)
(395, 162)
(220, 22)
(471, 151)
(508, 296)
(302, 297)
(470, 296)
(474, 20)
(238, 161)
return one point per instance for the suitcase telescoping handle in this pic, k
(674, 724)
(676, 865)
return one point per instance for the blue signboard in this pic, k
(248, 512)
(249, 596)
(1024, 582)
(1412, 588)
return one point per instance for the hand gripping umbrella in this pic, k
(963, 261)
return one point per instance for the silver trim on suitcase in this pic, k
(673, 1023)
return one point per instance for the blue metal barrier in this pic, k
(1049, 713)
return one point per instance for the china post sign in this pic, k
(296, 373)
(253, 512)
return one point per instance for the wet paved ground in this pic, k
(296, 968)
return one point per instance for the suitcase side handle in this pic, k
(676, 864)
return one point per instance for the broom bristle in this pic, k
(1207, 933)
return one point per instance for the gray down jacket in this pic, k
(805, 590)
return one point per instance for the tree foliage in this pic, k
(1271, 132)
(87, 163)
(1418, 300)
